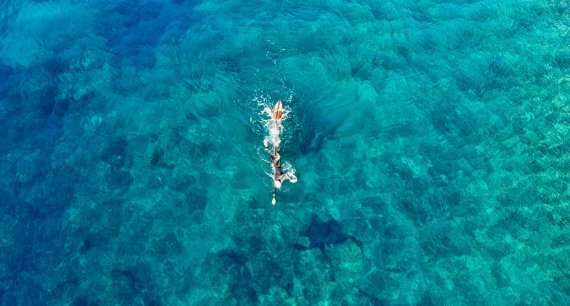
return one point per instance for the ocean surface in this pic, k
(430, 140)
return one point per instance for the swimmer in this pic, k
(279, 176)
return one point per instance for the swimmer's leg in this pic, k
(292, 178)
(274, 200)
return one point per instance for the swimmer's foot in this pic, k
(274, 200)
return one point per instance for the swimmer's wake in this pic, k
(271, 142)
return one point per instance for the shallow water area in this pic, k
(430, 142)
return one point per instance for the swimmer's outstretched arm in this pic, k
(266, 144)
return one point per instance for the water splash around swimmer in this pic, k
(281, 172)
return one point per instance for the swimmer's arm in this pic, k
(268, 111)
(266, 145)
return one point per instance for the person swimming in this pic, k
(280, 174)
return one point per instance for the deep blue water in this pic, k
(429, 138)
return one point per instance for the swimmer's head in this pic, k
(277, 184)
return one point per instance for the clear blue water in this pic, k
(430, 139)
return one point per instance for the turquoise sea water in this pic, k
(430, 139)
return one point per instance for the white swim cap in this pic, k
(277, 184)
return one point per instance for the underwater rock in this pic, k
(346, 261)
(322, 233)
(304, 242)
